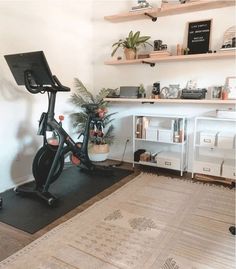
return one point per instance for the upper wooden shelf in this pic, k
(170, 10)
(190, 57)
(171, 101)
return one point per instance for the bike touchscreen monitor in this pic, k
(35, 62)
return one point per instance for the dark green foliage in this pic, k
(83, 96)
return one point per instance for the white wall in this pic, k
(64, 31)
(172, 30)
(76, 41)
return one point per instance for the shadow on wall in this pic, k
(22, 145)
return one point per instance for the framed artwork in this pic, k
(231, 86)
(215, 92)
(198, 40)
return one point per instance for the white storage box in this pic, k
(227, 114)
(208, 138)
(228, 169)
(225, 140)
(208, 165)
(151, 133)
(170, 160)
(165, 135)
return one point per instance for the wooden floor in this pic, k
(12, 239)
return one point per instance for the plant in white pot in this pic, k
(101, 131)
(131, 44)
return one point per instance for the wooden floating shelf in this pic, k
(190, 57)
(170, 10)
(171, 101)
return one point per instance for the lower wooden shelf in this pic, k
(171, 101)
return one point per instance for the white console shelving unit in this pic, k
(173, 153)
(214, 157)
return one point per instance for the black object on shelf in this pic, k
(137, 154)
(193, 94)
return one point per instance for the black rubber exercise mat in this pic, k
(72, 188)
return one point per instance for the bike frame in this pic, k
(66, 143)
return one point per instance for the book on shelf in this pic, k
(160, 53)
(138, 8)
(227, 49)
(141, 126)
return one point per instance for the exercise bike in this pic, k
(31, 69)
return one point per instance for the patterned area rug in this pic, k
(152, 222)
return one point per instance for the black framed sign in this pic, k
(199, 36)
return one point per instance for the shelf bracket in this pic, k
(151, 64)
(150, 16)
(144, 102)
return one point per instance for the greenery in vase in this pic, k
(82, 96)
(133, 41)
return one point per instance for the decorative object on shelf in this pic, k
(141, 91)
(229, 39)
(230, 87)
(145, 157)
(137, 154)
(142, 4)
(139, 127)
(171, 92)
(186, 51)
(101, 132)
(198, 40)
(156, 90)
(113, 93)
(191, 85)
(129, 92)
(157, 44)
(225, 93)
(130, 44)
(216, 92)
(193, 94)
(179, 50)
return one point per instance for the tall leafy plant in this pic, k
(83, 96)
(133, 41)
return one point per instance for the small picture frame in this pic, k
(231, 87)
(215, 92)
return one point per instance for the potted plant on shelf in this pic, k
(130, 44)
(102, 133)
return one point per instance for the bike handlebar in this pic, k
(28, 77)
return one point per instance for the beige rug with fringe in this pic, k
(152, 222)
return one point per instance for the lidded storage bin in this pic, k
(208, 138)
(226, 140)
(165, 135)
(151, 133)
(208, 165)
(168, 159)
(228, 169)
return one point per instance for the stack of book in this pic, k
(159, 53)
(140, 8)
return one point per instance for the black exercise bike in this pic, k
(31, 69)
